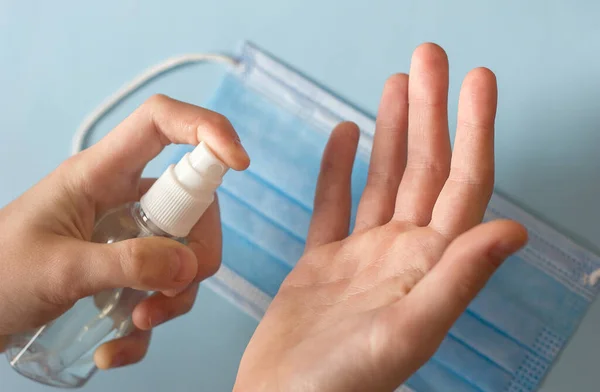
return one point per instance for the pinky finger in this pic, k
(124, 351)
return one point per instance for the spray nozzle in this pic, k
(184, 191)
(204, 161)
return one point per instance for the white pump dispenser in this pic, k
(182, 194)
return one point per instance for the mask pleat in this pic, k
(252, 263)
(256, 228)
(434, 377)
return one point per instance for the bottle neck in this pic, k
(147, 227)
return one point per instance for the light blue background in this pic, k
(59, 59)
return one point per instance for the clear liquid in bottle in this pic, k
(61, 352)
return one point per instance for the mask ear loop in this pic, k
(88, 124)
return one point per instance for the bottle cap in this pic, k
(181, 195)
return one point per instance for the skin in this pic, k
(363, 311)
(360, 311)
(51, 225)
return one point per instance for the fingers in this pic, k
(149, 313)
(428, 159)
(388, 157)
(331, 215)
(109, 171)
(152, 264)
(158, 308)
(149, 264)
(444, 293)
(161, 121)
(467, 191)
(124, 351)
(205, 240)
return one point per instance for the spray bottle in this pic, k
(60, 353)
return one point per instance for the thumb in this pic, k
(465, 267)
(150, 264)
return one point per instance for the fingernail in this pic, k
(183, 268)
(240, 147)
(156, 317)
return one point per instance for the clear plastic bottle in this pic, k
(60, 353)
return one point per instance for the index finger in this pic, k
(159, 122)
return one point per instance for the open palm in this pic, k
(364, 311)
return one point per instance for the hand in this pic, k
(365, 311)
(47, 261)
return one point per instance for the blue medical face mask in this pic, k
(510, 334)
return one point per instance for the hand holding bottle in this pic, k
(48, 262)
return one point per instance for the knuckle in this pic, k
(429, 103)
(156, 100)
(70, 163)
(381, 178)
(477, 127)
(392, 130)
(430, 168)
(133, 263)
(482, 177)
(74, 172)
(217, 121)
(61, 285)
